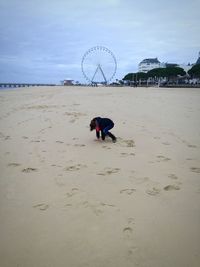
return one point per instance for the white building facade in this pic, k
(149, 64)
(152, 63)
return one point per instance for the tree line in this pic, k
(170, 73)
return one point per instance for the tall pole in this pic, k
(136, 79)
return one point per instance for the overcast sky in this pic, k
(44, 40)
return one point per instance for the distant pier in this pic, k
(15, 85)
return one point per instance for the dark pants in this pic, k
(105, 132)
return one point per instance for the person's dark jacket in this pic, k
(101, 124)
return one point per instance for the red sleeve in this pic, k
(97, 128)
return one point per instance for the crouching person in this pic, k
(102, 125)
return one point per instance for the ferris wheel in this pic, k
(99, 65)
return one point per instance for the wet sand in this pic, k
(67, 199)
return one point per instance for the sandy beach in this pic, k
(67, 199)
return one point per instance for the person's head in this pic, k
(92, 125)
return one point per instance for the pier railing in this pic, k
(14, 85)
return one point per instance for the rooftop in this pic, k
(150, 60)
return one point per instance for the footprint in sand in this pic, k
(128, 191)
(93, 207)
(125, 142)
(127, 231)
(28, 170)
(131, 221)
(123, 154)
(44, 129)
(132, 250)
(195, 169)
(75, 167)
(106, 147)
(38, 107)
(74, 115)
(129, 143)
(109, 171)
(171, 187)
(192, 146)
(82, 200)
(13, 164)
(166, 143)
(4, 137)
(153, 191)
(156, 137)
(79, 145)
(68, 201)
(35, 141)
(76, 104)
(98, 208)
(54, 165)
(173, 176)
(128, 234)
(162, 158)
(106, 204)
(41, 206)
(72, 192)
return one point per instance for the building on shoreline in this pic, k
(148, 64)
(152, 63)
(67, 82)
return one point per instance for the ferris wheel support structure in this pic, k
(99, 68)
